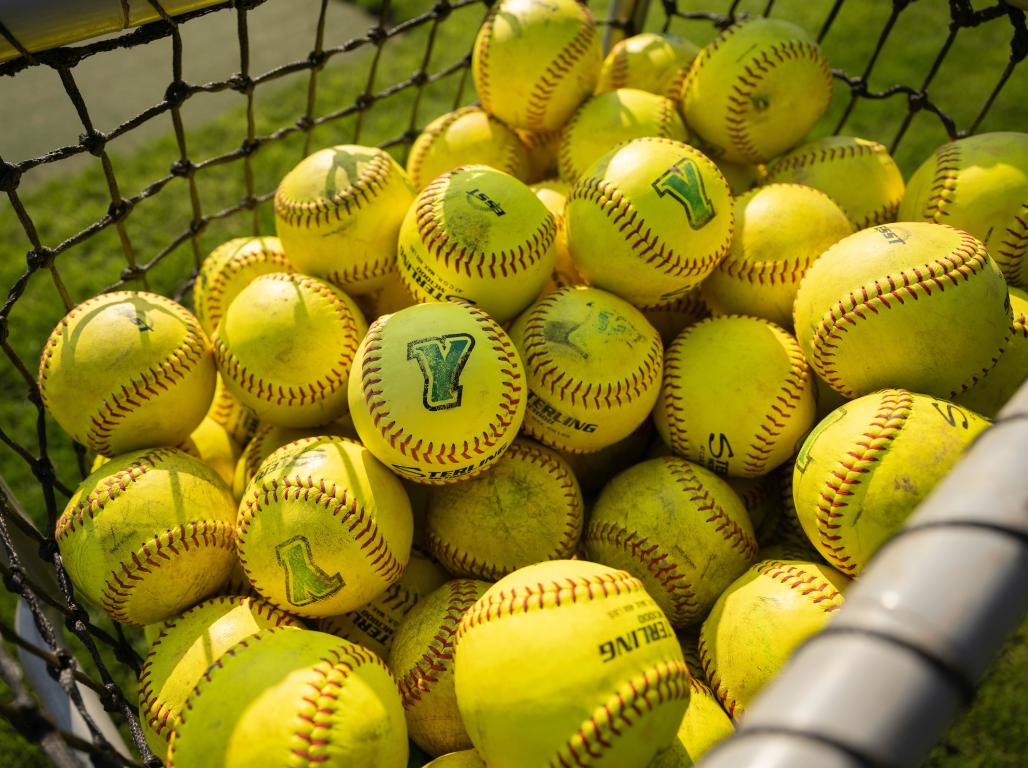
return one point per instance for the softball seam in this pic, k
(313, 213)
(965, 261)
(460, 561)
(357, 520)
(538, 99)
(159, 378)
(433, 234)
(313, 392)
(542, 595)
(809, 585)
(513, 148)
(730, 530)
(417, 680)
(665, 682)
(657, 562)
(645, 244)
(944, 182)
(396, 434)
(785, 403)
(742, 89)
(1011, 251)
(151, 707)
(196, 534)
(845, 478)
(210, 308)
(551, 375)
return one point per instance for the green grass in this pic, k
(988, 734)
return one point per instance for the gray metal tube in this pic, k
(918, 629)
(43, 24)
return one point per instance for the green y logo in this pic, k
(442, 359)
(306, 583)
(683, 182)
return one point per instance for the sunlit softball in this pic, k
(740, 414)
(337, 214)
(481, 235)
(148, 534)
(606, 120)
(992, 390)
(978, 184)
(864, 468)
(534, 62)
(127, 370)
(593, 365)
(285, 346)
(880, 309)
(649, 220)
(757, 90)
(833, 164)
(323, 527)
(228, 269)
(657, 63)
(438, 392)
(466, 136)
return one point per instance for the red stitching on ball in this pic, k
(944, 182)
(539, 99)
(502, 136)
(482, 45)
(534, 597)
(122, 583)
(646, 244)
(757, 68)
(340, 502)
(698, 494)
(665, 682)
(820, 591)
(393, 432)
(1010, 251)
(436, 660)
(472, 262)
(717, 685)
(313, 213)
(967, 260)
(845, 478)
(655, 560)
(560, 382)
(312, 392)
(211, 309)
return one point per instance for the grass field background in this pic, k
(992, 733)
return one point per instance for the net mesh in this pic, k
(79, 647)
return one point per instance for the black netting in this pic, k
(40, 467)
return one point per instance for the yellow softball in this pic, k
(323, 527)
(374, 625)
(978, 184)
(148, 534)
(292, 697)
(477, 234)
(466, 136)
(757, 90)
(736, 397)
(216, 448)
(466, 758)
(863, 470)
(438, 392)
(338, 212)
(228, 269)
(858, 174)
(240, 422)
(422, 660)
(534, 61)
(285, 346)
(541, 149)
(760, 620)
(554, 194)
(607, 120)
(526, 509)
(657, 63)
(679, 528)
(183, 650)
(673, 318)
(600, 676)
(879, 309)
(127, 370)
(593, 366)
(649, 220)
(780, 229)
(991, 392)
(741, 177)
